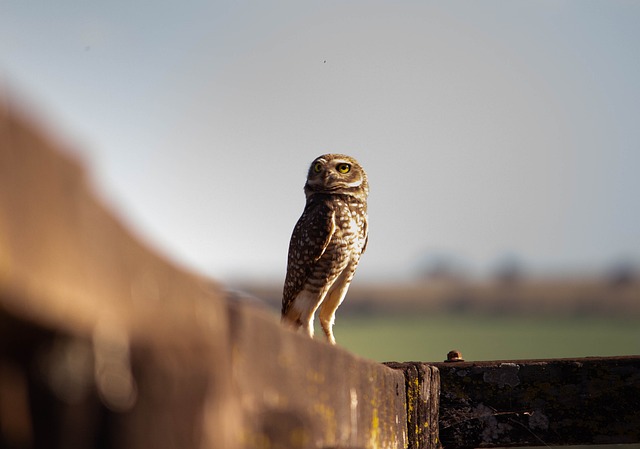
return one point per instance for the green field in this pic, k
(429, 338)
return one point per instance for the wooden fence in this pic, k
(104, 344)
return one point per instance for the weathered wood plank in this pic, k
(299, 393)
(540, 402)
(422, 385)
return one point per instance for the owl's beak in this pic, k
(327, 176)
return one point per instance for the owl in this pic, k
(326, 243)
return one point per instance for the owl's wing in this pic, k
(309, 240)
(366, 236)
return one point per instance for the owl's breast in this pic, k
(351, 231)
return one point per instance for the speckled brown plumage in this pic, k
(327, 242)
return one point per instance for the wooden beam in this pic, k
(540, 402)
(298, 393)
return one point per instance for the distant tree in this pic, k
(622, 272)
(440, 266)
(509, 269)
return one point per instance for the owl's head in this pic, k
(337, 174)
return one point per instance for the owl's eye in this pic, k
(317, 167)
(343, 168)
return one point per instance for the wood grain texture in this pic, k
(422, 385)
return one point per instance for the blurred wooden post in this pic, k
(104, 344)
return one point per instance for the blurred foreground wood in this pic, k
(104, 344)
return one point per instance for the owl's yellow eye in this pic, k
(317, 167)
(343, 168)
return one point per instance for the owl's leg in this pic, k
(303, 310)
(307, 326)
(327, 327)
(298, 320)
(330, 304)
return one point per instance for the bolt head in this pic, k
(454, 356)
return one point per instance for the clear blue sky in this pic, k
(488, 129)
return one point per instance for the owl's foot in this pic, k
(327, 327)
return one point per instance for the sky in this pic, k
(490, 130)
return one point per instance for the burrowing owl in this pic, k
(327, 242)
